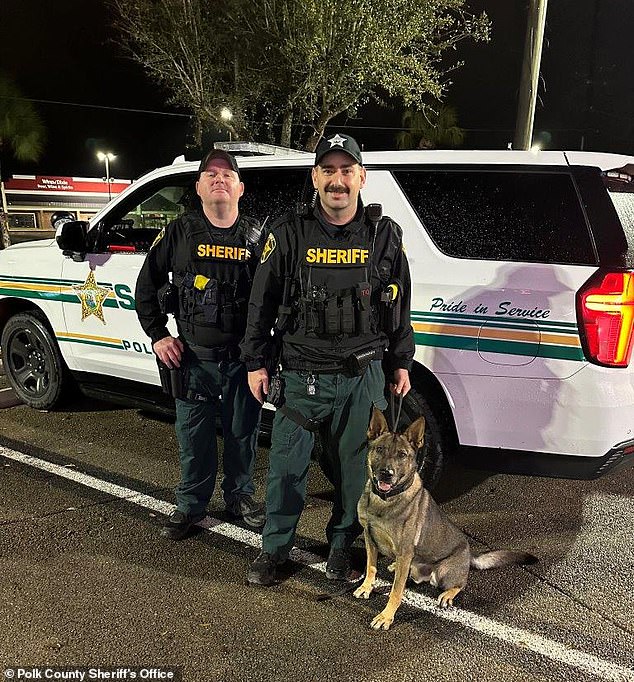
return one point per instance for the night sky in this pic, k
(67, 52)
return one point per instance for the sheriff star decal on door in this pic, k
(92, 297)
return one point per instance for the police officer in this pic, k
(210, 255)
(335, 282)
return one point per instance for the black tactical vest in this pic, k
(337, 287)
(213, 273)
(333, 285)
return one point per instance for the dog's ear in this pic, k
(378, 425)
(415, 433)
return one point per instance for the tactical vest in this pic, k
(213, 279)
(338, 286)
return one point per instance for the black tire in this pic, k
(32, 360)
(431, 457)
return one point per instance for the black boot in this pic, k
(262, 570)
(247, 509)
(338, 564)
(179, 524)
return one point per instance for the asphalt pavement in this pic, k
(85, 579)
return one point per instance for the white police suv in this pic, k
(522, 302)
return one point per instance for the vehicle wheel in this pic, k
(32, 360)
(431, 457)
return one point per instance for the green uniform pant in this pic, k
(346, 403)
(196, 422)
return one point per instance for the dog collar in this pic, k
(395, 490)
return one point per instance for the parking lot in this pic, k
(86, 580)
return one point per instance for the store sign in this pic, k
(55, 183)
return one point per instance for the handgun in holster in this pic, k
(172, 380)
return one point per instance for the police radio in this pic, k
(374, 213)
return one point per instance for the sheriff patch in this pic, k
(268, 249)
(316, 256)
(159, 236)
(221, 252)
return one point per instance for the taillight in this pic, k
(605, 308)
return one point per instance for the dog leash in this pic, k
(398, 414)
(395, 423)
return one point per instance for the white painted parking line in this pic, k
(523, 639)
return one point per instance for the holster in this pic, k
(173, 381)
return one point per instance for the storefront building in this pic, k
(31, 201)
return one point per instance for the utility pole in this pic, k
(530, 74)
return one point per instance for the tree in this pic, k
(285, 62)
(21, 131)
(429, 129)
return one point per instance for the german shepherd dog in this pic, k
(402, 521)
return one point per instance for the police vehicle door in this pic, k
(102, 327)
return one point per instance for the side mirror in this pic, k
(60, 217)
(72, 239)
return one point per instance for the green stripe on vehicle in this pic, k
(47, 280)
(52, 296)
(543, 350)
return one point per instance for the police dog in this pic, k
(402, 521)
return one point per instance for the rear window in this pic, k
(501, 215)
(271, 192)
(624, 204)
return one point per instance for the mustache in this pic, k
(339, 189)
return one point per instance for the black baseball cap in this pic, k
(342, 143)
(219, 154)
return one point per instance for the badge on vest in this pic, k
(317, 256)
(221, 252)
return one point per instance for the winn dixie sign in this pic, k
(57, 183)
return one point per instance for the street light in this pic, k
(226, 115)
(107, 157)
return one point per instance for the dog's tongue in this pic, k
(384, 487)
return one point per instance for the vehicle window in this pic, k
(135, 223)
(271, 192)
(501, 215)
(624, 204)
(159, 209)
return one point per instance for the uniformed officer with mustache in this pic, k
(334, 282)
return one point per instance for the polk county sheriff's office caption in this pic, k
(82, 674)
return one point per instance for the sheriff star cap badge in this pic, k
(343, 143)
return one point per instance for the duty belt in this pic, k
(220, 354)
(348, 366)
(297, 365)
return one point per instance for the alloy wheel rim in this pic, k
(28, 363)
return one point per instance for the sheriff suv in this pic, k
(522, 300)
